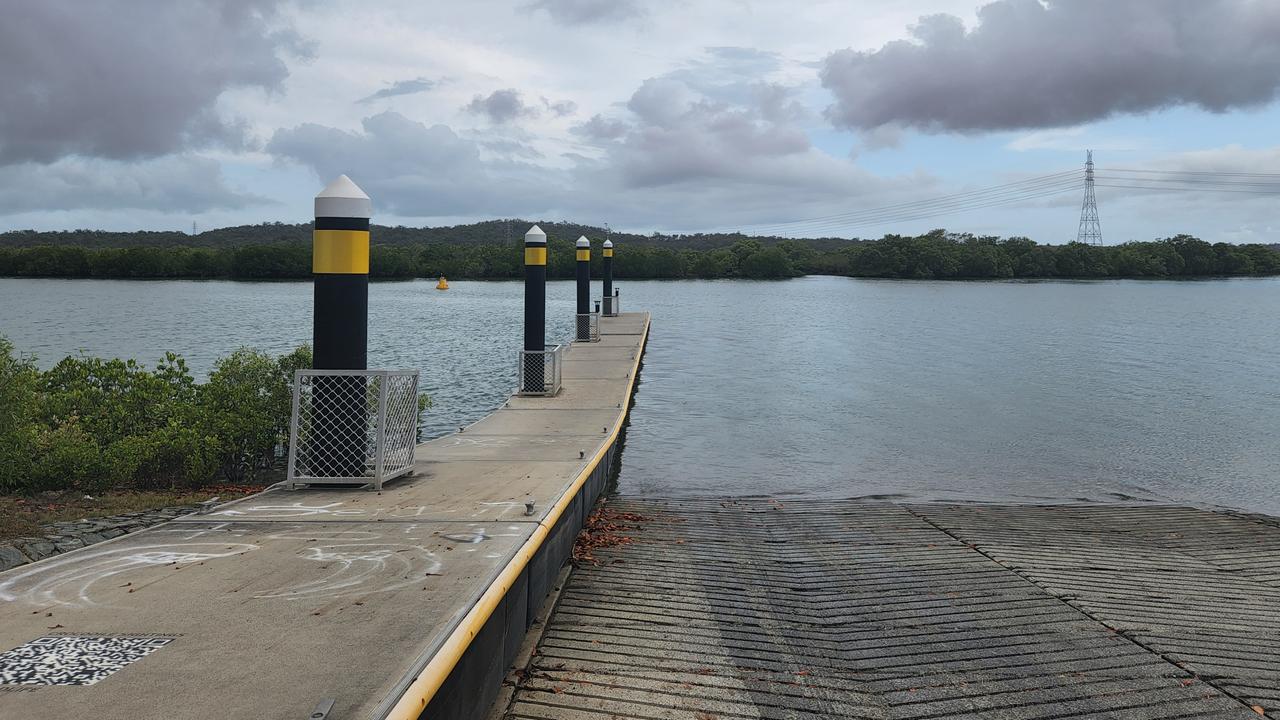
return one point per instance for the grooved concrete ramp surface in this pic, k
(269, 606)
(846, 609)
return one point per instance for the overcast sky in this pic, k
(668, 116)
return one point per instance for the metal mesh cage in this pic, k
(587, 327)
(538, 371)
(609, 306)
(352, 426)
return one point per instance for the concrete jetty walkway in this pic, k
(330, 604)
(768, 609)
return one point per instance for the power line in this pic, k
(926, 201)
(936, 208)
(1195, 181)
(925, 213)
(1193, 172)
(1166, 189)
(931, 205)
(1032, 189)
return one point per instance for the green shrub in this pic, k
(115, 399)
(171, 456)
(68, 458)
(18, 428)
(246, 406)
(89, 424)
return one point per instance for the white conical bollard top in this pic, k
(583, 242)
(535, 235)
(608, 243)
(343, 198)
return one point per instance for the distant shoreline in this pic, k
(933, 256)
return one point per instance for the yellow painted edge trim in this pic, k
(436, 671)
(584, 254)
(535, 256)
(340, 252)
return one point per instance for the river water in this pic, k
(816, 387)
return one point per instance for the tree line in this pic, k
(479, 233)
(934, 255)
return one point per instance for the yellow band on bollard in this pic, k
(608, 252)
(535, 256)
(584, 255)
(340, 252)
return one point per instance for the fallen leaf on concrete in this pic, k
(1258, 709)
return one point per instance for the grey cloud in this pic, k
(1033, 64)
(710, 145)
(585, 12)
(882, 137)
(708, 141)
(127, 79)
(600, 128)
(661, 101)
(678, 135)
(560, 108)
(400, 87)
(776, 103)
(501, 106)
(511, 148)
(171, 183)
(414, 170)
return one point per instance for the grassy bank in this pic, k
(23, 516)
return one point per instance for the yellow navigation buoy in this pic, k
(443, 284)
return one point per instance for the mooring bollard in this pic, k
(584, 289)
(609, 310)
(340, 329)
(535, 310)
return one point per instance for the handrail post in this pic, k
(380, 438)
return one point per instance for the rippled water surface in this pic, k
(820, 387)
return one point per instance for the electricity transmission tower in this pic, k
(1090, 231)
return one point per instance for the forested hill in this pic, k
(487, 232)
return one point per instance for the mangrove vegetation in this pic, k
(934, 255)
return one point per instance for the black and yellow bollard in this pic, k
(533, 365)
(609, 310)
(340, 330)
(584, 289)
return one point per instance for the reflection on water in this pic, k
(816, 387)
